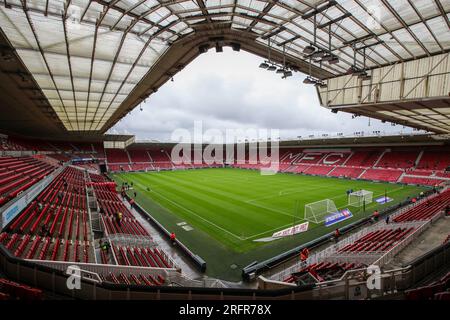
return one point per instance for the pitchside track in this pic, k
(219, 213)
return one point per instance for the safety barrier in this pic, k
(352, 285)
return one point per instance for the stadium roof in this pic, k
(90, 57)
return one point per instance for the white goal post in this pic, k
(359, 198)
(317, 211)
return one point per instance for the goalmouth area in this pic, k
(221, 213)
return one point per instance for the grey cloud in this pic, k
(228, 90)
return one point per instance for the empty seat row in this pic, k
(140, 279)
(55, 225)
(382, 175)
(426, 209)
(323, 271)
(10, 290)
(421, 181)
(19, 174)
(377, 241)
(346, 172)
(47, 248)
(141, 256)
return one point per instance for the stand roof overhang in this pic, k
(90, 57)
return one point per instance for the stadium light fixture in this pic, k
(203, 48)
(309, 49)
(219, 47)
(318, 54)
(272, 68)
(280, 71)
(351, 70)
(334, 60)
(309, 80)
(366, 77)
(327, 58)
(263, 65)
(236, 46)
(362, 74)
(287, 74)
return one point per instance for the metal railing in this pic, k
(132, 240)
(331, 254)
(392, 281)
(105, 269)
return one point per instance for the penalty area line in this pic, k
(198, 216)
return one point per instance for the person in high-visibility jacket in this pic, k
(119, 218)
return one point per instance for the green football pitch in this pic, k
(219, 212)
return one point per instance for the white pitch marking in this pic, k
(195, 214)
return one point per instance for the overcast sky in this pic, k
(228, 91)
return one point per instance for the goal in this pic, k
(359, 198)
(317, 211)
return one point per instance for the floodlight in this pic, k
(327, 57)
(366, 77)
(334, 60)
(318, 54)
(236, 46)
(203, 48)
(309, 49)
(309, 80)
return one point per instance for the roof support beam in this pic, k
(442, 11)
(425, 24)
(326, 24)
(319, 9)
(122, 40)
(400, 19)
(141, 18)
(134, 65)
(64, 18)
(38, 43)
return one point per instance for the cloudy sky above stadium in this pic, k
(228, 91)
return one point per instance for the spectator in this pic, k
(387, 219)
(376, 215)
(119, 218)
(135, 194)
(40, 206)
(304, 254)
(104, 246)
(414, 200)
(337, 234)
(44, 231)
(173, 237)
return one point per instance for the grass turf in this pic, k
(230, 208)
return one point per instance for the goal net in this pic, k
(359, 198)
(317, 211)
